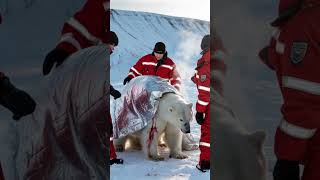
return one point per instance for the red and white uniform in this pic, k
(202, 80)
(294, 53)
(147, 66)
(88, 27)
(113, 154)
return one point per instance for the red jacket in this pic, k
(294, 53)
(147, 66)
(88, 27)
(219, 66)
(202, 79)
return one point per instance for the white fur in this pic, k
(172, 118)
(237, 154)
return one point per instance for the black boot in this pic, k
(116, 161)
(17, 101)
(203, 166)
(286, 170)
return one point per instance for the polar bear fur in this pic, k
(237, 154)
(172, 120)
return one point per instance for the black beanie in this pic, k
(113, 38)
(160, 48)
(205, 43)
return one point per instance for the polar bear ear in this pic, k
(190, 105)
(257, 138)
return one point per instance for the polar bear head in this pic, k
(175, 110)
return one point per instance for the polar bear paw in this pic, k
(157, 158)
(178, 156)
(119, 148)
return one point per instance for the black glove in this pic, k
(116, 161)
(17, 101)
(115, 93)
(200, 118)
(55, 56)
(126, 80)
(284, 170)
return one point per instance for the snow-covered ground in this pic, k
(138, 32)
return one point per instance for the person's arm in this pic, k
(203, 85)
(136, 70)
(175, 79)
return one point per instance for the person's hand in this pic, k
(200, 118)
(17, 101)
(126, 80)
(115, 93)
(56, 56)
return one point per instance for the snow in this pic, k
(138, 32)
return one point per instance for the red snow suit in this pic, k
(113, 154)
(202, 80)
(147, 66)
(294, 53)
(88, 27)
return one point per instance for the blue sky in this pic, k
(182, 8)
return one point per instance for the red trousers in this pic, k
(113, 154)
(204, 144)
(305, 151)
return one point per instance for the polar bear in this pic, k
(237, 154)
(171, 120)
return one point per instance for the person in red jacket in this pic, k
(88, 27)
(202, 80)
(158, 64)
(116, 94)
(294, 53)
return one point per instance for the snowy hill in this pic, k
(138, 32)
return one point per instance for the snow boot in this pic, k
(116, 161)
(203, 166)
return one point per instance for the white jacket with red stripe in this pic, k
(147, 65)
